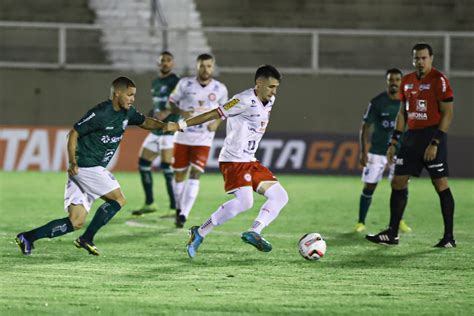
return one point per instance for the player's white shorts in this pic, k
(157, 143)
(88, 185)
(375, 168)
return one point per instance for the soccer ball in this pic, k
(312, 246)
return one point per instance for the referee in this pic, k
(427, 108)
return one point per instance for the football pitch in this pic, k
(143, 267)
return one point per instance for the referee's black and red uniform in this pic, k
(421, 99)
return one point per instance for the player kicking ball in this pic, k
(92, 143)
(247, 115)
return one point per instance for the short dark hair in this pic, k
(204, 56)
(267, 71)
(393, 71)
(166, 52)
(123, 82)
(421, 46)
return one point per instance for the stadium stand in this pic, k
(17, 44)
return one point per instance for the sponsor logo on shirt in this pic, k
(86, 119)
(408, 87)
(421, 105)
(106, 139)
(109, 127)
(212, 96)
(418, 116)
(230, 104)
(426, 86)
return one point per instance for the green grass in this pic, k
(145, 270)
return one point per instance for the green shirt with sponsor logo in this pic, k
(381, 113)
(100, 132)
(161, 89)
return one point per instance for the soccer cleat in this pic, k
(147, 208)
(359, 227)
(194, 241)
(24, 244)
(257, 241)
(180, 220)
(404, 228)
(384, 238)
(446, 243)
(87, 245)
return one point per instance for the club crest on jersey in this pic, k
(212, 97)
(163, 89)
(124, 124)
(247, 177)
(230, 104)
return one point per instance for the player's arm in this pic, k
(173, 108)
(202, 118)
(71, 152)
(363, 142)
(400, 123)
(446, 109)
(152, 123)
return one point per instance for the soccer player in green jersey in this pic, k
(157, 142)
(381, 114)
(92, 143)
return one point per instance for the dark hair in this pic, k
(203, 57)
(123, 82)
(267, 71)
(421, 46)
(393, 71)
(166, 52)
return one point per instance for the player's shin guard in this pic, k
(189, 196)
(102, 216)
(243, 201)
(398, 202)
(277, 198)
(144, 167)
(447, 208)
(55, 228)
(169, 174)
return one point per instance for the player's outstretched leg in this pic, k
(194, 242)
(257, 241)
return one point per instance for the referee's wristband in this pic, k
(182, 124)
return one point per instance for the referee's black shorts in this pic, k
(410, 160)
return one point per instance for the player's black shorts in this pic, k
(410, 159)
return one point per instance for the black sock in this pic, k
(55, 228)
(169, 174)
(364, 204)
(144, 167)
(102, 216)
(398, 202)
(447, 208)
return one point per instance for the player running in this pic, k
(247, 115)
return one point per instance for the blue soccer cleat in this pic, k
(194, 241)
(24, 244)
(257, 241)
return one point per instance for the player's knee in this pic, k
(122, 201)
(77, 223)
(245, 198)
(179, 176)
(194, 173)
(144, 164)
(277, 192)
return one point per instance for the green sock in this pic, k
(364, 204)
(102, 216)
(55, 228)
(169, 174)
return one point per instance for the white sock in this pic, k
(276, 200)
(189, 196)
(243, 201)
(206, 227)
(178, 188)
